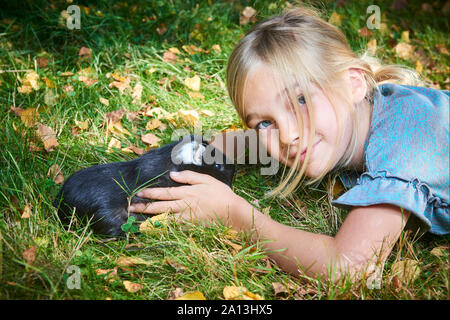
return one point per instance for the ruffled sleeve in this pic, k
(414, 196)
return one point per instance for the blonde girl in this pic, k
(319, 108)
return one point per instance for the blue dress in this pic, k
(406, 157)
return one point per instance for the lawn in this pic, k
(132, 74)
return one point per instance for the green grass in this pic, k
(190, 257)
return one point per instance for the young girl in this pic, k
(319, 108)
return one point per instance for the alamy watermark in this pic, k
(74, 278)
(73, 17)
(373, 22)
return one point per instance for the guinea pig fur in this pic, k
(100, 193)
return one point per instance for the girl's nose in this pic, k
(289, 133)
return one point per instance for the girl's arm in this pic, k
(364, 240)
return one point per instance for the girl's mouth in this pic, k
(303, 155)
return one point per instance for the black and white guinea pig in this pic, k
(101, 192)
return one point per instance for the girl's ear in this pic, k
(358, 84)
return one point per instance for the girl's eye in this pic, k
(263, 124)
(301, 99)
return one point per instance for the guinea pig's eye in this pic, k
(218, 166)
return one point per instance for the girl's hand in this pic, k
(206, 198)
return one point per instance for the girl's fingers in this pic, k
(156, 207)
(170, 193)
(190, 177)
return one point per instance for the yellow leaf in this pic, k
(29, 83)
(404, 50)
(28, 116)
(104, 101)
(193, 83)
(148, 225)
(131, 286)
(174, 50)
(196, 95)
(189, 116)
(196, 295)
(26, 214)
(239, 293)
(405, 36)
(419, 66)
(216, 48)
(335, 19)
(372, 46)
(153, 124)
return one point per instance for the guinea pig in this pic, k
(101, 193)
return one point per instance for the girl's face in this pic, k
(268, 110)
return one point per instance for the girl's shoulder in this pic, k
(388, 96)
(406, 155)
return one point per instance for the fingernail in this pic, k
(174, 173)
(131, 208)
(140, 194)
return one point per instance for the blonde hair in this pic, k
(304, 50)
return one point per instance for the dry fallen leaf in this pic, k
(104, 101)
(120, 82)
(26, 214)
(150, 139)
(149, 224)
(404, 50)
(111, 274)
(29, 83)
(30, 255)
(47, 136)
(191, 117)
(279, 288)
(193, 83)
(196, 295)
(85, 53)
(405, 36)
(170, 56)
(439, 251)
(124, 261)
(54, 172)
(239, 293)
(207, 113)
(28, 116)
(86, 76)
(406, 270)
(364, 32)
(247, 15)
(134, 149)
(216, 48)
(113, 143)
(136, 93)
(372, 46)
(153, 124)
(335, 19)
(176, 293)
(131, 286)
